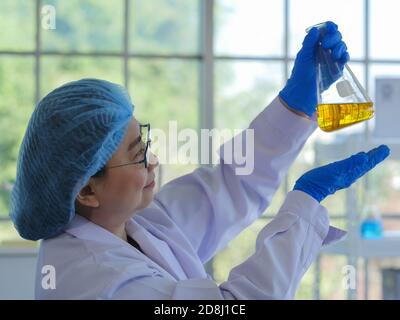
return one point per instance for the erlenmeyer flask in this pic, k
(342, 101)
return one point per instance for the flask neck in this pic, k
(328, 70)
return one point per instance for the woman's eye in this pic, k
(139, 153)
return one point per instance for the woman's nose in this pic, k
(153, 161)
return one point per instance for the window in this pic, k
(155, 56)
(249, 28)
(173, 29)
(17, 25)
(85, 26)
(383, 17)
(16, 76)
(349, 15)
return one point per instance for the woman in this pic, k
(85, 184)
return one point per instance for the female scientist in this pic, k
(85, 180)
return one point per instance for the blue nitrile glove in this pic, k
(323, 181)
(300, 92)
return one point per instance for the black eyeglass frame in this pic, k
(145, 159)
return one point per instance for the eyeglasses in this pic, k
(146, 142)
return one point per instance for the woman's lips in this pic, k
(151, 185)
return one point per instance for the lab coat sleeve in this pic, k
(212, 205)
(285, 248)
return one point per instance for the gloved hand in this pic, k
(300, 92)
(323, 181)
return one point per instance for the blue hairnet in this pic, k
(72, 134)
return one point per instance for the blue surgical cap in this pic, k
(71, 135)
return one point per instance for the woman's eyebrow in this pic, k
(134, 143)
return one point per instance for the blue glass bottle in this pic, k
(372, 228)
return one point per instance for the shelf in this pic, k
(387, 246)
(19, 248)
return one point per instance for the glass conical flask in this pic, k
(342, 101)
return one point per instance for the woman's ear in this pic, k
(87, 196)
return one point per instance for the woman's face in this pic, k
(122, 190)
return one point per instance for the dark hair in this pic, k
(100, 173)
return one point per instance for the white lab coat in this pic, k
(189, 221)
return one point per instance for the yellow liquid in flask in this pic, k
(333, 117)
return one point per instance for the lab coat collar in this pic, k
(153, 243)
(83, 228)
